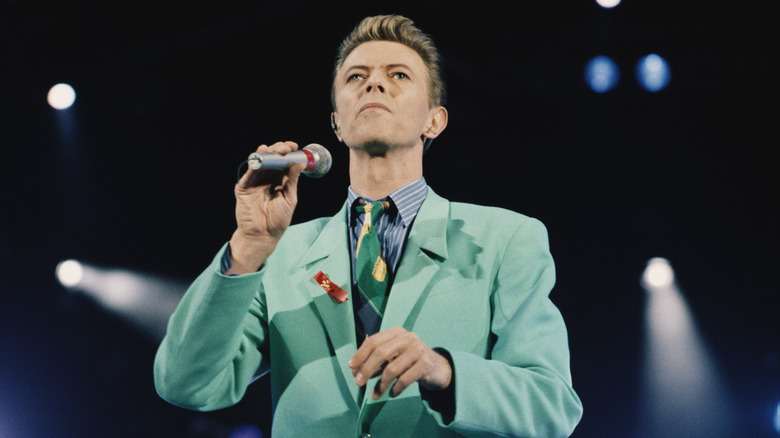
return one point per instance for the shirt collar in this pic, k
(407, 200)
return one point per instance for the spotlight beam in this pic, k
(683, 395)
(144, 300)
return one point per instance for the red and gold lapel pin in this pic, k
(338, 294)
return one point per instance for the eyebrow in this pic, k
(365, 67)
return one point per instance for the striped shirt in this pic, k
(393, 226)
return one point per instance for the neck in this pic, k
(376, 176)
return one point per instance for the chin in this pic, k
(374, 146)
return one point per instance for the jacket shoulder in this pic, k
(486, 216)
(304, 232)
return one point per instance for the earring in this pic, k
(333, 123)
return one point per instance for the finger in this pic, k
(412, 374)
(269, 177)
(384, 353)
(366, 348)
(358, 357)
(281, 147)
(368, 345)
(289, 185)
(399, 367)
(261, 177)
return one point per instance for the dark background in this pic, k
(172, 97)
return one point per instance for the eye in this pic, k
(354, 77)
(400, 75)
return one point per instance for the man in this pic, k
(460, 340)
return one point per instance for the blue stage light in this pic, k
(602, 74)
(776, 420)
(246, 431)
(653, 73)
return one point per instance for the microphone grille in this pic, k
(322, 161)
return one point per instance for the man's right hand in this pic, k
(265, 201)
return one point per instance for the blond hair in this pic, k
(399, 29)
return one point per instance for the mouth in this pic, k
(374, 106)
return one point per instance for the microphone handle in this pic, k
(278, 161)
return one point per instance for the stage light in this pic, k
(246, 431)
(653, 73)
(608, 4)
(61, 96)
(658, 273)
(69, 273)
(144, 300)
(602, 74)
(682, 393)
(776, 420)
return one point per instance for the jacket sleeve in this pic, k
(524, 388)
(216, 341)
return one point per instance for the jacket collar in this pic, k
(429, 232)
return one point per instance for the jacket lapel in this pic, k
(330, 254)
(425, 249)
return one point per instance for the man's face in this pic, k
(381, 95)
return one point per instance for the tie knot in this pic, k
(375, 209)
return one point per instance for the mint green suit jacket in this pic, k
(472, 280)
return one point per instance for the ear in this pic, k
(436, 122)
(334, 124)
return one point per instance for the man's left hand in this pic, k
(399, 354)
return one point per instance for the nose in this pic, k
(375, 83)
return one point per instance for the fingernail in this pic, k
(359, 379)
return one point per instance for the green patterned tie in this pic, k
(370, 267)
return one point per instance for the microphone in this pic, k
(316, 158)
